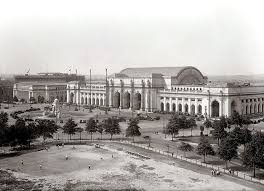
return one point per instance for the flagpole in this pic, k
(90, 108)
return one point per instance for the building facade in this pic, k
(43, 87)
(171, 89)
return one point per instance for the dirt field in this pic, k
(110, 168)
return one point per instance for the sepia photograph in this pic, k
(142, 95)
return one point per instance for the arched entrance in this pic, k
(167, 107)
(82, 100)
(215, 108)
(180, 107)
(251, 109)
(85, 101)
(93, 101)
(126, 100)
(255, 108)
(137, 101)
(90, 102)
(71, 97)
(97, 101)
(161, 106)
(233, 107)
(199, 109)
(186, 109)
(192, 110)
(101, 102)
(246, 109)
(173, 107)
(259, 108)
(116, 100)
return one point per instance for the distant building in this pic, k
(170, 89)
(6, 91)
(43, 87)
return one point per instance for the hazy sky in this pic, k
(217, 37)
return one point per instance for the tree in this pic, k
(32, 100)
(254, 152)
(91, 126)
(219, 131)
(46, 128)
(15, 99)
(21, 134)
(133, 129)
(207, 123)
(79, 130)
(241, 135)
(205, 148)
(185, 147)
(3, 128)
(148, 138)
(112, 127)
(202, 130)
(227, 149)
(100, 128)
(70, 127)
(236, 119)
(191, 123)
(173, 126)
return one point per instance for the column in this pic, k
(111, 97)
(68, 95)
(196, 106)
(189, 105)
(142, 100)
(164, 105)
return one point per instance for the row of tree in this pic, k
(23, 133)
(228, 142)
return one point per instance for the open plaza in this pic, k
(79, 163)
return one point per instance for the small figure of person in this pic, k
(40, 166)
(217, 173)
(212, 172)
(22, 162)
(112, 156)
(230, 171)
(101, 158)
(47, 149)
(62, 144)
(89, 166)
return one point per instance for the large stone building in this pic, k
(174, 89)
(43, 86)
(6, 91)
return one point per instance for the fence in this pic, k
(176, 156)
(197, 162)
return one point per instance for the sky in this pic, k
(218, 37)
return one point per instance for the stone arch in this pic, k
(199, 109)
(90, 101)
(101, 102)
(180, 107)
(82, 100)
(167, 107)
(137, 101)
(126, 100)
(161, 106)
(246, 110)
(233, 107)
(215, 109)
(97, 101)
(116, 100)
(255, 108)
(186, 108)
(85, 101)
(192, 110)
(259, 110)
(251, 109)
(93, 101)
(174, 107)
